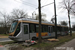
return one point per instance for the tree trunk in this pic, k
(69, 22)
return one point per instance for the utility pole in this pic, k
(55, 20)
(39, 10)
(42, 7)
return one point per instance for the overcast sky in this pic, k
(30, 6)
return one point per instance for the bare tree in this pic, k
(73, 27)
(53, 19)
(42, 15)
(73, 7)
(67, 4)
(16, 13)
(63, 23)
(6, 19)
(1, 24)
(5, 22)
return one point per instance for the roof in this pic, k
(36, 21)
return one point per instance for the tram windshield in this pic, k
(13, 26)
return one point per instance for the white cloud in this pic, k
(8, 5)
(30, 6)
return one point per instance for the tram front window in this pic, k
(13, 26)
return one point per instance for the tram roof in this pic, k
(29, 20)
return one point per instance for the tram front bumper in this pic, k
(13, 38)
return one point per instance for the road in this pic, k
(5, 39)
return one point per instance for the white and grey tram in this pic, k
(24, 29)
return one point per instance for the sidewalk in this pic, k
(2, 48)
(67, 46)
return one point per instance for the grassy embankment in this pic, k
(47, 44)
(62, 40)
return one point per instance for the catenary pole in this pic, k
(55, 20)
(39, 10)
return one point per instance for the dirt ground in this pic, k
(1, 36)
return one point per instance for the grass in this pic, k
(4, 34)
(9, 42)
(62, 40)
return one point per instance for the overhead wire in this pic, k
(26, 3)
(45, 10)
(32, 5)
(47, 4)
(44, 2)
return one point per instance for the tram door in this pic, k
(50, 30)
(25, 32)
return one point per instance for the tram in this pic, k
(23, 29)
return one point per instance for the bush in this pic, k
(3, 30)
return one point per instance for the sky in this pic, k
(29, 6)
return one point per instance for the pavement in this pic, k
(3, 48)
(5, 39)
(67, 46)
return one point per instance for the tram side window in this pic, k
(37, 28)
(44, 28)
(62, 29)
(25, 29)
(50, 29)
(66, 29)
(32, 28)
(53, 28)
(58, 29)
